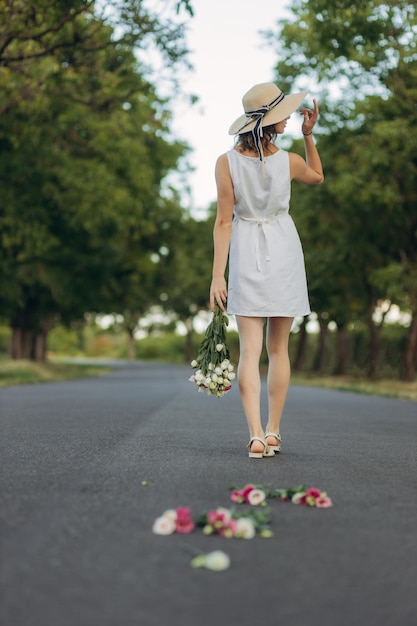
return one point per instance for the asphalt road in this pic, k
(76, 542)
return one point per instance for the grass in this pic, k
(387, 387)
(27, 372)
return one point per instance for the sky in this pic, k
(229, 57)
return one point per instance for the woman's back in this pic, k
(261, 190)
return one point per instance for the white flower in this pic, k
(245, 528)
(225, 364)
(231, 376)
(214, 378)
(256, 496)
(218, 371)
(219, 347)
(207, 381)
(170, 514)
(199, 376)
(230, 367)
(163, 526)
(217, 561)
(212, 385)
(194, 363)
(297, 497)
(211, 366)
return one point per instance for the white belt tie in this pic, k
(261, 232)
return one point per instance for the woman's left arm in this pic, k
(222, 232)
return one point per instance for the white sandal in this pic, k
(267, 451)
(277, 436)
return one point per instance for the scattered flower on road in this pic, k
(174, 520)
(256, 495)
(217, 561)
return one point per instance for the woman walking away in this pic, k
(254, 230)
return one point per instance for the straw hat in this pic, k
(265, 104)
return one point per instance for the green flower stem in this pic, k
(215, 335)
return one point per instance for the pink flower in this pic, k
(323, 502)
(315, 493)
(220, 521)
(237, 496)
(218, 518)
(246, 491)
(184, 523)
(255, 497)
(192, 379)
(229, 529)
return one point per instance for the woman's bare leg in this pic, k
(250, 342)
(279, 370)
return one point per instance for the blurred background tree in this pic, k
(90, 226)
(85, 148)
(363, 222)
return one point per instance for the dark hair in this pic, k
(245, 140)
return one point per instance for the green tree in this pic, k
(36, 31)
(363, 57)
(82, 164)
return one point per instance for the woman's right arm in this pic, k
(222, 232)
(310, 170)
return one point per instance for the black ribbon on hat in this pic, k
(258, 115)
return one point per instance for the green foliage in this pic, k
(363, 46)
(190, 261)
(90, 340)
(360, 228)
(5, 336)
(166, 348)
(213, 349)
(84, 148)
(390, 358)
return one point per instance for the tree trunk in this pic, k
(39, 348)
(131, 347)
(342, 350)
(21, 346)
(79, 326)
(16, 344)
(300, 356)
(319, 357)
(40, 340)
(411, 351)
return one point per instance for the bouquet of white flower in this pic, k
(214, 371)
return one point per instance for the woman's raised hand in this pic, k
(310, 118)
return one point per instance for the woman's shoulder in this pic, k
(223, 159)
(295, 160)
(222, 164)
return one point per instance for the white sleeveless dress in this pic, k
(266, 262)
